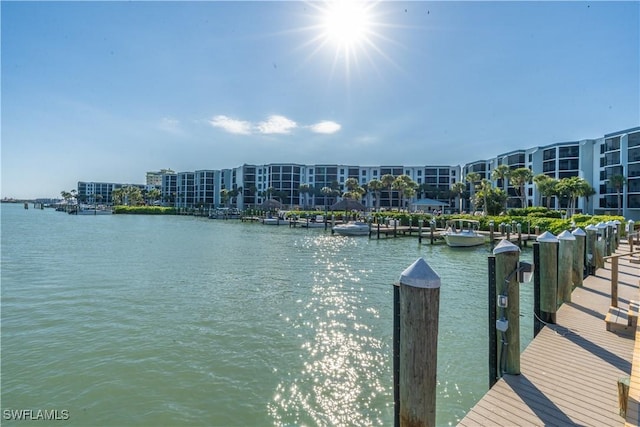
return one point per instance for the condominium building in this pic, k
(320, 185)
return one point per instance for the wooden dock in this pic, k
(570, 371)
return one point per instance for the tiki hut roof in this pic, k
(347, 205)
(271, 204)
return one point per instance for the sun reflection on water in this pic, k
(338, 383)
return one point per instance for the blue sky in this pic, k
(105, 91)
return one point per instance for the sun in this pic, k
(347, 28)
(346, 23)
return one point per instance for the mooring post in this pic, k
(378, 237)
(419, 309)
(566, 249)
(519, 229)
(609, 247)
(579, 256)
(420, 223)
(537, 314)
(601, 244)
(508, 305)
(396, 354)
(618, 227)
(548, 276)
(491, 236)
(630, 233)
(432, 229)
(591, 241)
(493, 332)
(614, 281)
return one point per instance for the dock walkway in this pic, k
(570, 371)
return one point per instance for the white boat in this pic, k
(280, 219)
(465, 235)
(92, 210)
(354, 228)
(317, 222)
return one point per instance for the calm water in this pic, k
(154, 320)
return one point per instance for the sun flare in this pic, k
(351, 31)
(346, 23)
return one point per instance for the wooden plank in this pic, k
(571, 369)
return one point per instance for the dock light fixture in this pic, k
(524, 272)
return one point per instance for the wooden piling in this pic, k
(592, 239)
(609, 243)
(493, 316)
(420, 223)
(396, 354)
(432, 229)
(566, 248)
(601, 245)
(507, 290)
(491, 235)
(537, 315)
(419, 309)
(614, 281)
(548, 276)
(579, 256)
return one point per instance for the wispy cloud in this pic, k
(276, 124)
(230, 125)
(171, 125)
(326, 127)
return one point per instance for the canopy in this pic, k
(347, 205)
(427, 203)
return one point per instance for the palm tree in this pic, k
(546, 187)
(457, 189)
(326, 191)
(376, 186)
(154, 194)
(224, 196)
(472, 178)
(518, 178)
(618, 182)
(401, 184)
(387, 182)
(485, 189)
(305, 189)
(352, 185)
(501, 173)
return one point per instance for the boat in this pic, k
(92, 210)
(353, 228)
(317, 222)
(465, 235)
(282, 218)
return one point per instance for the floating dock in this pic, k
(571, 373)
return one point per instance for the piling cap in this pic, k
(591, 227)
(578, 232)
(565, 235)
(601, 225)
(420, 275)
(616, 222)
(505, 246)
(547, 237)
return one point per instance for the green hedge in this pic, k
(144, 210)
